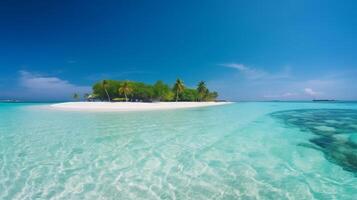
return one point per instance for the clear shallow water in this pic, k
(238, 151)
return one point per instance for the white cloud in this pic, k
(41, 86)
(285, 85)
(37, 82)
(289, 94)
(283, 95)
(311, 92)
(253, 73)
(236, 66)
(247, 71)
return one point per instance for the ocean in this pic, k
(245, 150)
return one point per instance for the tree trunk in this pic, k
(107, 94)
(176, 95)
(126, 98)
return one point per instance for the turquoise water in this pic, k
(249, 150)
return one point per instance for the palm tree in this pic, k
(179, 87)
(75, 96)
(125, 89)
(202, 90)
(105, 85)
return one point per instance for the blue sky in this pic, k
(246, 50)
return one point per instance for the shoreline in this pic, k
(130, 106)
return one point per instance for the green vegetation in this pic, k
(202, 90)
(76, 96)
(107, 90)
(179, 88)
(104, 86)
(86, 96)
(125, 89)
(162, 92)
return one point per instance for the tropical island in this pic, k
(118, 95)
(116, 90)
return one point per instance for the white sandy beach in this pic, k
(130, 106)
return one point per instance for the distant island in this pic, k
(319, 100)
(132, 91)
(9, 100)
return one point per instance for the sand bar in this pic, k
(130, 106)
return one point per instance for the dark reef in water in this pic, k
(335, 130)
